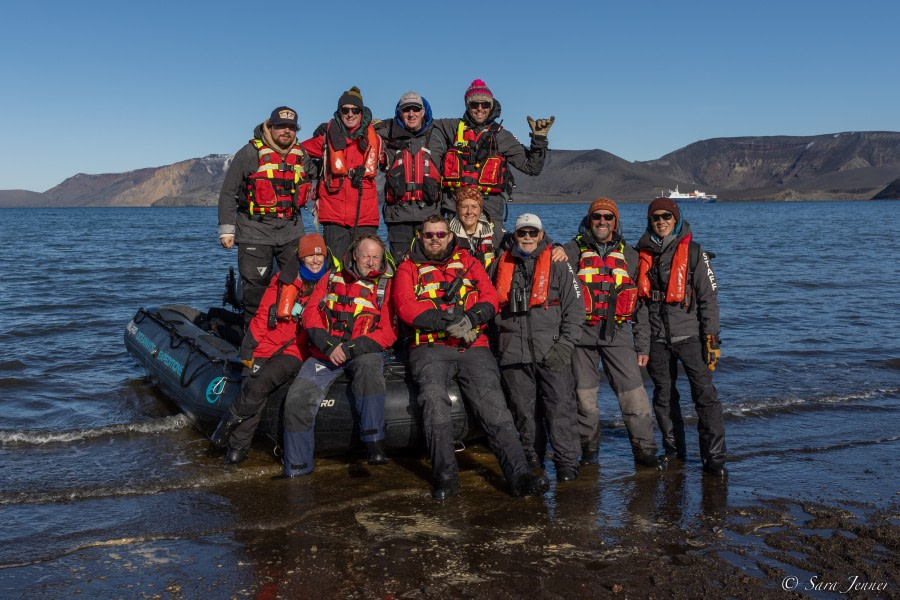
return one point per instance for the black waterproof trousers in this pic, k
(255, 389)
(475, 370)
(663, 369)
(255, 267)
(542, 400)
(339, 237)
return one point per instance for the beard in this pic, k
(433, 254)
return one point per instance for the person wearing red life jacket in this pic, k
(540, 317)
(273, 347)
(473, 230)
(350, 322)
(480, 152)
(412, 187)
(350, 153)
(266, 185)
(677, 286)
(445, 297)
(606, 268)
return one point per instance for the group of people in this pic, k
(522, 324)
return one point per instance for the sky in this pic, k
(105, 87)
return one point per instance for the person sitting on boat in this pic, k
(539, 321)
(266, 185)
(480, 152)
(677, 284)
(350, 322)
(444, 295)
(606, 267)
(273, 347)
(472, 228)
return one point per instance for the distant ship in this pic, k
(695, 196)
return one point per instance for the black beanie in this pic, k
(352, 97)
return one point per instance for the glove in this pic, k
(297, 311)
(541, 127)
(247, 363)
(470, 336)
(711, 352)
(460, 328)
(557, 356)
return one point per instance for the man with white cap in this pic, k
(412, 189)
(539, 321)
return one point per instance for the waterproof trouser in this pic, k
(339, 237)
(619, 361)
(476, 373)
(256, 386)
(255, 267)
(400, 238)
(367, 389)
(543, 400)
(663, 369)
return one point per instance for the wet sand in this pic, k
(355, 531)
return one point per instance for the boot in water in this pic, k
(376, 453)
(222, 433)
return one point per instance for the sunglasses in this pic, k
(474, 105)
(603, 217)
(527, 233)
(346, 110)
(430, 235)
(407, 109)
(662, 217)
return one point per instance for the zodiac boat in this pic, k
(188, 355)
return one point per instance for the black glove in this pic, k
(557, 356)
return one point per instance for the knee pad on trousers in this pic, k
(635, 402)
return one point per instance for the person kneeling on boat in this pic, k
(272, 350)
(350, 322)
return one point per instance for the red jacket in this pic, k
(419, 309)
(337, 198)
(265, 341)
(374, 328)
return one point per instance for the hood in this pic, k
(484, 229)
(495, 114)
(398, 119)
(364, 122)
(417, 252)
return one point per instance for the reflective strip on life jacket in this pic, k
(600, 277)
(279, 186)
(431, 283)
(540, 281)
(462, 169)
(337, 164)
(345, 304)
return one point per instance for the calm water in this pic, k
(91, 455)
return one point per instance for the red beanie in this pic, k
(478, 91)
(664, 204)
(604, 203)
(312, 244)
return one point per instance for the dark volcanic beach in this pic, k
(107, 491)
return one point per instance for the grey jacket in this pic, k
(602, 334)
(529, 160)
(526, 338)
(698, 314)
(269, 231)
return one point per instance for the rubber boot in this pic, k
(590, 448)
(530, 485)
(222, 433)
(235, 456)
(376, 453)
(445, 488)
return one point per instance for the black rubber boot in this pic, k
(445, 488)
(376, 453)
(236, 455)
(648, 460)
(566, 474)
(530, 485)
(715, 468)
(222, 433)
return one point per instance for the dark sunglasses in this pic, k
(429, 235)
(346, 110)
(662, 217)
(407, 109)
(603, 217)
(474, 105)
(527, 233)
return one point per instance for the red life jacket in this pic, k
(412, 178)
(279, 186)
(353, 309)
(540, 282)
(431, 283)
(337, 164)
(676, 290)
(601, 277)
(473, 160)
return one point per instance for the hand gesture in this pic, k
(540, 127)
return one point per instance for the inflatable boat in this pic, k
(193, 358)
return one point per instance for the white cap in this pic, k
(529, 220)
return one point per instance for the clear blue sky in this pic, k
(97, 87)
